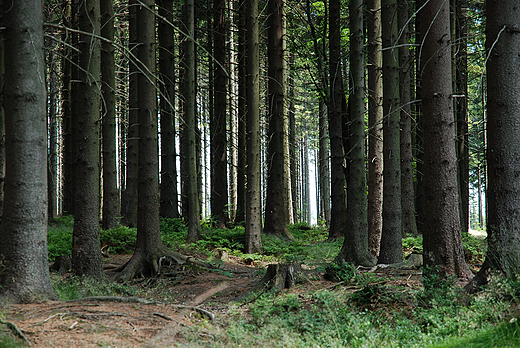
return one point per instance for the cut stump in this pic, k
(283, 276)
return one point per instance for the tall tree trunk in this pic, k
(86, 249)
(276, 201)
(111, 200)
(52, 162)
(323, 163)
(149, 247)
(355, 245)
(190, 116)
(442, 240)
(503, 143)
(391, 250)
(461, 109)
(293, 165)
(338, 198)
(129, 196)
(375, 127)
(253, 229)
(242, 90)
(68, 57)
(23, 251)
(407, 180)
(2, 117)
(218, 121)
(169, 198)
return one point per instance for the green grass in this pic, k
(373, 313)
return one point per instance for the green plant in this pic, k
(74, 287)
(119, 240)
(340, 272)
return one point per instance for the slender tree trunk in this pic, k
(442, 240)
(169, 197)
(129, 197)
(111, 199)
(391, 250)
(503, 143)
(338, 197)
(52, 162)
(407, 180)
(218, 121)
(242, 90)
(190, 116)
(276, 201)
(355, 245)
(293, 150)
(253, 243)
(2, 117)
(66, 109)
(461, 109)
(375, 127)
(23, 251)
(86, 249)
(323, 163)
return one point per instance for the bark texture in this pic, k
(253, 226)
(86, 249)
(391, 244)
(276, 202)
(24, 275)
(503, 152)
(442, 240)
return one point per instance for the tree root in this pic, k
(12, 326)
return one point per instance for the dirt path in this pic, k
(170, 315)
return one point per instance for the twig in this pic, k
(73, 324)
(15, 330)
(202, 311)
(131, 299)
(132, 325)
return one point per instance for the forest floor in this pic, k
(167, 308)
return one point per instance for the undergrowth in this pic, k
(365, 310)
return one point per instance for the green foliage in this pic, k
(412, 245)
(119, 240)
(59, 236)
(438, 288)
(340, 272)
(74, 287)
(173, 232)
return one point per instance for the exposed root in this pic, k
(12, 326)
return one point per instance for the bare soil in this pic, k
(172, 311)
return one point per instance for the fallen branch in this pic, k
(202, 311)
(131, 299)
(12, 326)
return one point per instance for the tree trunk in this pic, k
(355, 245)
(442, 240)
(23, 251)
(242, 90)
(375, 127)
(169, 205)
(407, 180)
(338, 198)
(218, 121)
(52, 163)
(503, 143)
(391, 250)
(276, 201)
(2, 120)
(86, 249)
(111, 200)
(129, 196)
(253, 243)
(323, 163)
(190, 116)
(461, 109)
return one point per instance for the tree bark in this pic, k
(409, 225)
(129, 196)
(218, 121)
(355, 245)
(375, 127)
(338, 198)
(503, 131)
(253, 229)
(276, 201)
(23, 251)
(442, 240)
(391, 244)
(190, 116)
(242, 91)
(86, 249)
(169, 204)
(111, 199)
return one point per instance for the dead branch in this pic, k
(12, 326)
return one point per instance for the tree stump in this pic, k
(283, 276)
